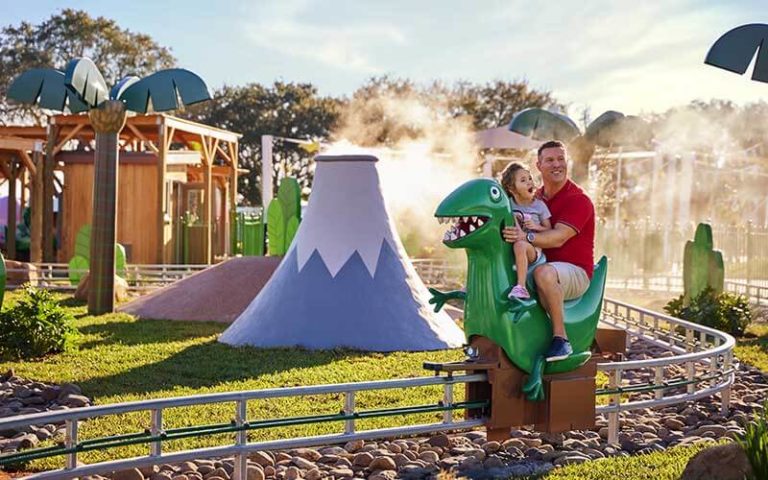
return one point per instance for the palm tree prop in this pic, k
(610, 129)
(735, 50)
(82, 88)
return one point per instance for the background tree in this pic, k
(72, 34)
(493, 104)
(293, 110)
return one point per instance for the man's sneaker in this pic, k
(519, 291)
(559, 349)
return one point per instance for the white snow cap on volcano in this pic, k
(345, 214)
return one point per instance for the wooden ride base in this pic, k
(569, 402)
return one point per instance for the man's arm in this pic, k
(553, 238)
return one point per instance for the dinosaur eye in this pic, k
(495, 194)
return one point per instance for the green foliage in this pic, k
(755, 444)
(702, 266)
(282, 110)
(276, 228)
(74, 33)
(35, 326)
(724, 311)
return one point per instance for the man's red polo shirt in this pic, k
(573, 207)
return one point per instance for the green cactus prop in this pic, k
(702, 266)
(289, 194)
(290, 231)
(284, 216)
(81, 261)
(276, 228)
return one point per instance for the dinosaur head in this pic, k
(476, 212)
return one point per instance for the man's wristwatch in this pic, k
(530, 236)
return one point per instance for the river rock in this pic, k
(724, 462)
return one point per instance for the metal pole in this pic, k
(156, 448)
(349, 409)
(70, 441)
(241, 439)
(613, 417)
(266, 171)
(448, 401)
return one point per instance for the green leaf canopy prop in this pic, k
(540, 124)
(612, 129)
(735, 50)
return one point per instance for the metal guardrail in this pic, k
(156, 434)
(705, 354)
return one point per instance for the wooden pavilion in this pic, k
(170, 168)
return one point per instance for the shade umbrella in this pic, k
(735, 50)
(540, 124)
(613, 128)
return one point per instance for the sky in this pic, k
(633, 56)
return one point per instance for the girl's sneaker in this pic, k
(519, 291)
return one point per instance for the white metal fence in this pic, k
(56, 276)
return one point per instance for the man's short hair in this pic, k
(550, 144)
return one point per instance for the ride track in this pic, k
(705, 354)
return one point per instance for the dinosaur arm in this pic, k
(439, 298)
(556, 237)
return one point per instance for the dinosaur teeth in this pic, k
(474, 219)
(462, 233)
(480, 222)
(452, 236)
(471, 228)
(464, 219)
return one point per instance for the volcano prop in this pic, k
(345, 281)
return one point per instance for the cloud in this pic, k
(284, 28)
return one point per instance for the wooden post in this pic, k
(10, 236)
(48, 191)
(162, 146)
(36, 201)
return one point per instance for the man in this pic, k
(569, 245)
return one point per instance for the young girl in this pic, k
(531, 214)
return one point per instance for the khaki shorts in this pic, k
(573, 280)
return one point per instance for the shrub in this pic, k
(755, 444)
(37, 325)
(724, 311)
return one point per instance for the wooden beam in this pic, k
(28, 162)
(36, 200)
(17, 143)
(143, 138)
(67, 137)
(4, 169)
(224, 154)
(199, 129)
(48, 227)
(169, 138)
(161, 191)
(208, 213)
(10, 237)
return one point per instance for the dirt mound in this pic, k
(218, 294)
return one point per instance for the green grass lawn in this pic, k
(118, 358)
